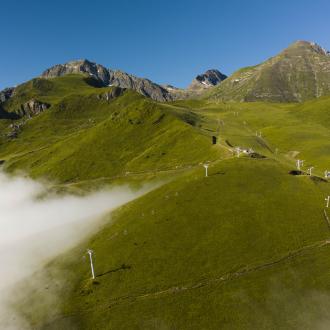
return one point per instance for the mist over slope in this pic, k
(35, 229)
(234, 248)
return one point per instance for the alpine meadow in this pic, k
(127, 203)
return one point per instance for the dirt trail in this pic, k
(176, 169)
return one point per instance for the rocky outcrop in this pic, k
(112, 94)
(81, 66)
(143, 86)
(32, 108)
(110, 77)
(25, 113)
(15, 129)
(206, 80)
(6, 94)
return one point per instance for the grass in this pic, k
(190, 232)
(300, 129)
(83, 137)
(245, 248)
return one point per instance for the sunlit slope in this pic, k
(298, 73)
(288, 132)
(202, 253)
(84, 135)
(51, 90)
(197, 253)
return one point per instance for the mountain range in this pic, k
(108, 77)
(300, 72)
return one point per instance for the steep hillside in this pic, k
(88, 132)
(244, 248)
(301, 72)
(235, 250)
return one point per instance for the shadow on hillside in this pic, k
(122, 267)
(8, 115)
(217, 173)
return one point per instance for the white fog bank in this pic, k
(33, 230)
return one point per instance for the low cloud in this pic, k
(34, 229)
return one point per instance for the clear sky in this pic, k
(168, 41)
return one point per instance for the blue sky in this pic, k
(166, 41)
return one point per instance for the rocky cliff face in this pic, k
(206, 80)
(81, 66)
(300, 72)
(32, 108)
(6, 94)
(110, 77)
(112, 94)
(143, 86)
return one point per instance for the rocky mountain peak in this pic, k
(303, 46)
(78, 66)
(109, 77)
(300, 72)
(207, 79)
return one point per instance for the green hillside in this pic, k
(202, 253)
(245, 248)
(86, 136)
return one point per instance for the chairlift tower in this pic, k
(206, 166)
(309, 171)
(299, 164)
(90, 253)
(327, 201)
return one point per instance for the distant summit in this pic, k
(300, 72)
(306, 45)
(206, 80)
(146, 87)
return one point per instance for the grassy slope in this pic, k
(297, 74)
(299, 130)
(196, 238)
(189, 250)
(81, 137)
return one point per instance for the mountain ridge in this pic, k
(298, 73)
(110, 77)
